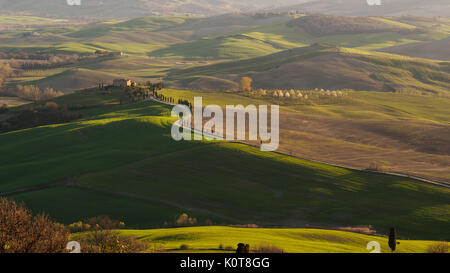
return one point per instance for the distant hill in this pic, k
(320, 24)
(277, 33)
(75, 79)
(328, 67)
(361, 8)
(133, 8)
(438, 50)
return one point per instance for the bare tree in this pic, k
(21, 232)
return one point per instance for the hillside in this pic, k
(209, 239)
(75, 79)
(114, 9)
(84, 170)
(319, 25)
(328, 67)
(438, 50)
(361, 8)
(352, 32)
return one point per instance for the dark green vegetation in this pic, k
(33, 117)
(121, 161)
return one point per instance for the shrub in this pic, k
(243, 248)
(439, 247)
(21, 232)
(107, 241)
(31, 92)
(156, 248)
(104, 222)
(360, 229)
(184, 247)
(185, 220)
(79, 227)
(267, 248)
(4, 108)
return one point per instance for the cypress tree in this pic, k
(393, 239)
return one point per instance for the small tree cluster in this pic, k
(267, 248)
(34, 93)
(184, 220)
(30, 116)
(52, 61)
(243, 248)
(185, 102)
(301, 96)
(5, 72)
(96, 223)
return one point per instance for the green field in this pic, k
(120, 160)
(123, 154)
(232, 36)
(209, 240)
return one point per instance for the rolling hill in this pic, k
(115, 9)
(328, 67)
(438, 50)
(270, 36)
(225, 239)
(387, 7)
(75, 79)
(121, 161)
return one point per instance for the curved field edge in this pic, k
(209, 240)
(227, 183)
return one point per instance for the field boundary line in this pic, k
(424, 180)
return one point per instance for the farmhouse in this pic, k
(124, 83)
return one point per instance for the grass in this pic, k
(208, 239)
(277, 37)
(125, 153)
(403, 133)
(220, 37)
(120, 160)
(29, 20)
(359, 69)
(362, 105)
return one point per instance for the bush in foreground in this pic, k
(108, 241)
(21, 232)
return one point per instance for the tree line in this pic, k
(5, 72)
(31, 92)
